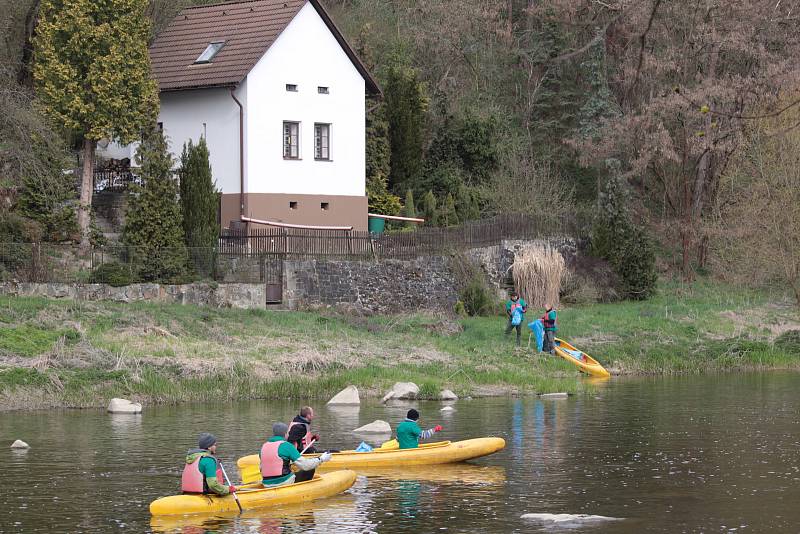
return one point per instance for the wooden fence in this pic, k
(414, 243)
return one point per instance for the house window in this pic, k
(322, 141)
(324, 206)
(160, 126)
(210, 52)
(323, 90)
(293, 205)
(291, 140)
(291, 87)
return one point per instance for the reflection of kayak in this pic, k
(305, 512)
(461, 473)
(580, 359)
(323, 485)
(443, 452)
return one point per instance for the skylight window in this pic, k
(210, 52)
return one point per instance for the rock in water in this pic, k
(348, 396)
(403, 391)
(448, 395)
(19, 444)
(553, 396)
(124, 406)
(376, 427)
(387, 397)
(447, 409)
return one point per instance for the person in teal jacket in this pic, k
(409, 433)
(550, 322)
(515, 310)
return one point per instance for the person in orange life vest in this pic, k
(549, 321)
(202, 472)
(277, 455)
(299, 435)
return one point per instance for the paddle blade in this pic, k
(250, 474)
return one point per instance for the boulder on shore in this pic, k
(447, 409)
(447, 395)
(348, 396)
(19, 444)
(123, 406)
(376, 427)
(402, 391)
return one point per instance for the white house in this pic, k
(279, 96)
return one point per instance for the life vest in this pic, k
(273, 465)
(193, 481)
(306, 440)
(549, 324)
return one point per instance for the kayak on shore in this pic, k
(323, 485)
(580, 359)
(443, 452)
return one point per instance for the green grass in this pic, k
(173, 353)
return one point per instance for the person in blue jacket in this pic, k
(515, 310)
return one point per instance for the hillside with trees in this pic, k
(687, 110)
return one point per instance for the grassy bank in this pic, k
(61, 353)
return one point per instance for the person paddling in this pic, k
(202, 472)
(515, 309)
(277, 455)
(409, 433)
(299, 435)
(549, 320)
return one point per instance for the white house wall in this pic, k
(306, 54)
(211, 113)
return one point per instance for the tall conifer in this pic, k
(199, 203)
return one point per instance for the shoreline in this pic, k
(60, 353)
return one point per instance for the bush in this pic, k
(789, 342)
(113, 274)
(626, 246)
(475, 295)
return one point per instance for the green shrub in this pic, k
(624, 245)
(789, 342)
(21, 376)
(114, 274)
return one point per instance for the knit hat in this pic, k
(206, 440)
(279, 429)
(412, 414)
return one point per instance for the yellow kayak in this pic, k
(324, 485)
(443, 452)
(580, 359)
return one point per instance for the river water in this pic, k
(686, 454)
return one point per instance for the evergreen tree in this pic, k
(92, 75)
(429, 208)
(618, 240)
(153, 223)
(406, 106)
(447, 215)
(199, 204)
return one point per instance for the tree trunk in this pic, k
(87, 187)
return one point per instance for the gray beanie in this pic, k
(279, 429)
(206, 440)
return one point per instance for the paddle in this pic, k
(308, 447)
(235, 497)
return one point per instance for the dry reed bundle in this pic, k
(538, 271)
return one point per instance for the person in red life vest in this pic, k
(277, 455)
(300, 436)
(202, 472)
(549, 321)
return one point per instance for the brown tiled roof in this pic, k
(248, 27)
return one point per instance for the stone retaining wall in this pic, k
(248, 296)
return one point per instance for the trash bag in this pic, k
(538, 330)
(363, 447)
(516, 317)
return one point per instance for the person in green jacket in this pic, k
(277, 455)
(550, 323)
(409, 433)
(202, 472)
(515, 310)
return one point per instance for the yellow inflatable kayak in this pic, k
(443, 452)
(580, 359)
(324, 485)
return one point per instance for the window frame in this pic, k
(292, 88)
(322, 151)
(213, 49)
(323, 90)
(291, 154)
